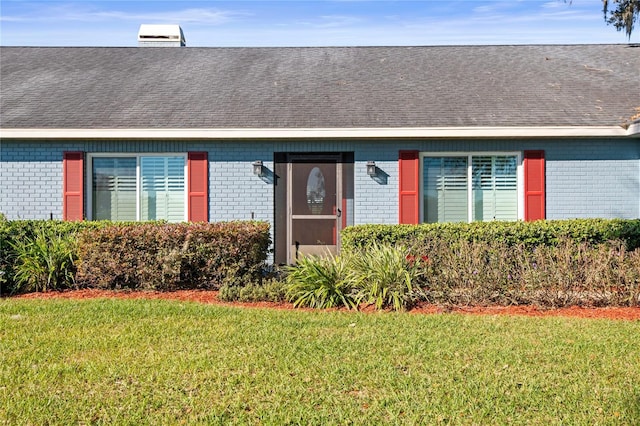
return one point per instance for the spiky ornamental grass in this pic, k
(321, 282)
(385, 275)
(45, 261)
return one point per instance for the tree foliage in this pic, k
(622, 14)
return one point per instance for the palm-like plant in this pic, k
(44, 262)
(386, 275)
(321, 283)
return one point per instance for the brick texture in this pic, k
(594, 178)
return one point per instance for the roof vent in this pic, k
(160, 36)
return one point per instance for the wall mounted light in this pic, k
(372, 170)
(258, 168)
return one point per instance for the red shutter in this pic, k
(409, 172)
(534, 185)
(198, 192)
(73, 186)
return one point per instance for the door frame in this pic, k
(281, 225)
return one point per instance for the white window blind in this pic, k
(488, 182)
(138, 188)
(445, 188)
(495, 191)
(162, 188)
(114, 189)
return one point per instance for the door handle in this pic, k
(339, 212)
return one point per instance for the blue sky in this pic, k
(309, 23)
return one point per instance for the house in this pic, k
(315, 139)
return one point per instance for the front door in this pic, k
(313, 202)
(314, 197)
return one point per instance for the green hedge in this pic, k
(569, 273)
(154, 255)
(538, 233)
(583, 262)
(172, 256)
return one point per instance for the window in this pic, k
(137, 187)
(470, 187)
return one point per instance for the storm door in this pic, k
(315, 210)
(313, 203)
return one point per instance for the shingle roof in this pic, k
(323, 87)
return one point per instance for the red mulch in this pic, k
(631, 314)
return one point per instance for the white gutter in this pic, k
(325, 133)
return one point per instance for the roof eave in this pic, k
(324, 133)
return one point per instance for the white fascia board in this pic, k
(322, 133)
(634, 130)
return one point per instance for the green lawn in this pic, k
(107, 361)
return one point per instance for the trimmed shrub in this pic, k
(545, 233)
(172, 256)
(153, 255)
(568, 273)
(587, 262)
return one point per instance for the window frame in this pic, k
(137, 156)
(469, 155)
